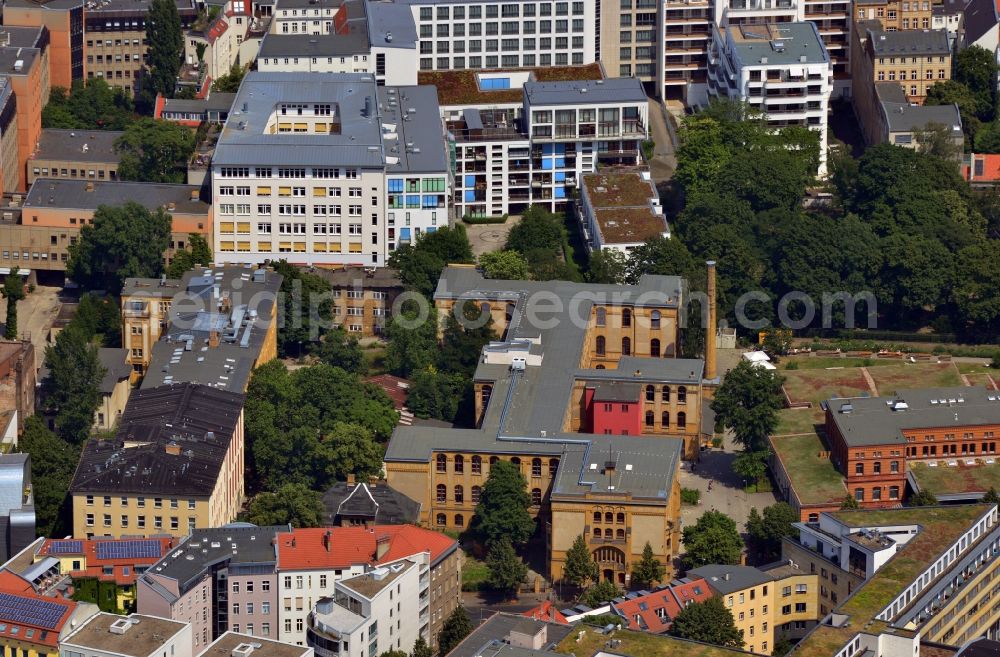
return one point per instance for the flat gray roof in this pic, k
(390, 25)
(583, 92)
(244, 142)
(10, 56)
(904, 117)
(780, 44)
(145, 636)
(882, 420)
(417, 118)
(909, 42)
(726, 579)
(69, 145)
(218, 101)
(315, 45)
(22, 37)
(224, 645)
(527, 410)
(496, 631)
(239, 311)
(74, 194)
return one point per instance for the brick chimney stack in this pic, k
(710, 339)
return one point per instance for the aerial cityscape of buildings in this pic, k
(404, 328)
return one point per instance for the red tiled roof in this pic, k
(640, 613)
(95, 566)
(990, 166)
(306, 549)
(16, 629)
(546, 612)
(395, 386)
(218, 29)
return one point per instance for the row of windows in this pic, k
(859, 468)
(507, 61)
(601, 314)
(859, 493)
(601, 347)
(476, 463)
(319, 192)
(73, 173)
(952, 449)
(265, 607)
(441, 495)
(665, 419)
(928, 75)
(498, 45)
(141, 502)
(511, 28)
(140, 523)
(475, 12)
(295, 247)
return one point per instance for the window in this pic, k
(441, 520)
(665, 393)
(459, 463)
(600, 345)
(626, 346)
(682, 393)
(476, 492)
(654, 348)
(650, 393)
(477, 465)
(649, 418)
(859, 494)
(626, 317)
(442, 463)
(654, 319)
(536, 467)
(681, 420)
(859, 468)
(665, 419)
(601, 317)
(536, 497)
(459, 494)
(442, 493)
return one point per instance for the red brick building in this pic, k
(873, 439)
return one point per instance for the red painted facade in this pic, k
(621, 418)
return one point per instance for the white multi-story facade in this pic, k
(464, 34)
(301, 169)
(781, 69)
(369, 614)
(512, 157)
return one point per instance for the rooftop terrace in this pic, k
(462, 87)
(638, 644)
(812, 474)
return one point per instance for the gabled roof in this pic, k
(655, 611)
(378, 501)
(981, 16)
(546, 612)
(310, 549)
(121, 555)
(29, 617)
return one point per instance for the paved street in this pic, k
(35, 314)
(727, 493)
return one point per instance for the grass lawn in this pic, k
(944, 480)
(639, 644)
(814, 479)
(976, 368)
(819, 385)
(902, 376)
(798, 420)
(823, 362)
(474, 573)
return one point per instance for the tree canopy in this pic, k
(12, 291)
(456, 627)
(53, 462)
(342, 350)
(648, 570)
(230, 82)
(713, 539)
(89, 105)
(580, 567)
(420, 264)
(748, 402)
(314, 426)
(709, 622)
(505, 265)
(72, 388)
(305, 311)
(507, 570)
(154, 151)
(197, 252)
(164, 53)
(766, 531)
(123, 241)
(293, 504)
(502, 512)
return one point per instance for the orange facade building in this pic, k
(64, 21)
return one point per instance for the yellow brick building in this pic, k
(605, 470)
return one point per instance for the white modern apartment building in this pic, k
(512, 157)
(464, 34)
(368, 614)
(302, 169)
(782, 69)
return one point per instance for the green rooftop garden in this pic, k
(639, 644)
(814, 478)
(947, 480)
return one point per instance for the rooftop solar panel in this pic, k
(138, 549)
(66, 547)
(29, 611)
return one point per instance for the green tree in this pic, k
(421, 649)
(420, 264)
(353, 450)
(580, 567)
(782, 646)
(53, 462)
(922, 498)
(538, 229)
(648, 570)
(607, 266)
(394, 653)
(777, 342)
(766, 531)
(751, 466)
(291, 504)
(713, 539)
(154, 151)
(507, 570)
(601, 594)
(413, 345)
(850, 503)
(13, 291)
(977, 288)
(89, 105)
(709, 622)
(502, 511)
(987, 139)
(230, 82)
(786, 172)
(437, 395)
(305, 311)
(991, 496)
(198, 252)
(505, 265)
(748, 402)
(976, 68)
(939, 141)
(123, 241)
(72, 388)
(164, 52)
(952, 92)
(342, 350)
(456, 627)
(461, 346)
(660, 255)
(99, 317)
(548, 265)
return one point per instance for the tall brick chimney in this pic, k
(710, 339)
